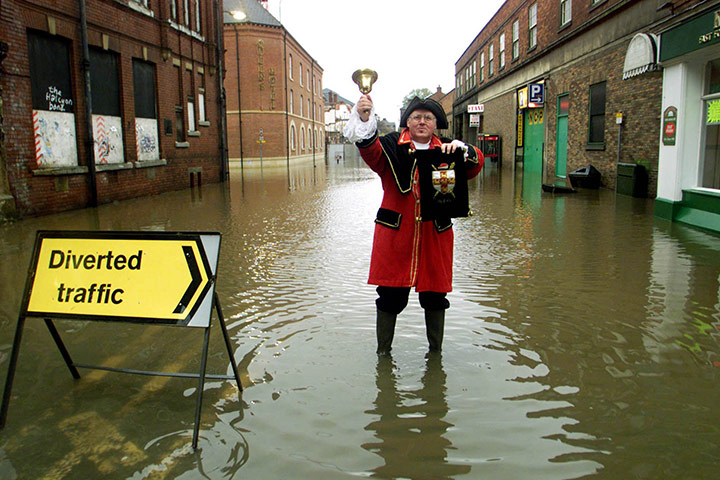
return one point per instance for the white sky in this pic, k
(410, 43)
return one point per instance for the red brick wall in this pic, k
(131, 35)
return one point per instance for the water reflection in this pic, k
(411, 428)
(582, 342)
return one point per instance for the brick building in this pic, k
(148, 119)
(275, 112)
(569, 84)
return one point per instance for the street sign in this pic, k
(153, 277)
(479, 108)
(536, 93)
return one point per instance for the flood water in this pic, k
(582, 341)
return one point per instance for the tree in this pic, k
(418, 92)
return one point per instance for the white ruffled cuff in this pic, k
(356, 130)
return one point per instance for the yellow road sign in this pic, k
(156, 277)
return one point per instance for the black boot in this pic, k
(434, 326)
(385, 329)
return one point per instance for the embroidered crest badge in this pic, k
(443, 179)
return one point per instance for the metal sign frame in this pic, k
(203, 307)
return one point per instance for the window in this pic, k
(491, 56)
(302, 104)
(474, 72)
(186, 12)
(292, 137)
(290, 66)
(482, 67)
(292, 101)
(596, 130)
(309, 109)
(197, 16)
(565, 12)
(191, 113)
(307, 79)
(502, 51)
(173, 10)
(532, 26)
(302, 138)
(52, 100)
(710, 166)
(300, 70)
(458, 84)
(516, 39)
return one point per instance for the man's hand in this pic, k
(452, 146)
(364, 106)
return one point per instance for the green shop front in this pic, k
(689, 168)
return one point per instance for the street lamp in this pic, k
(239, 16)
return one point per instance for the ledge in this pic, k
(105, 167)
(193, 133)
(150, 163)
(204, 123)
(50, 171)
(182, 144)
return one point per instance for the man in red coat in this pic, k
(407, 251)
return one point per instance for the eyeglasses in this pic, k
(418, 116)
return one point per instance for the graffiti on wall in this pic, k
(55, 143)
(146, 137)
(107, 132)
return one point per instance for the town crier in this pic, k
(409, 250)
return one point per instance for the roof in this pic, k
(254, 11)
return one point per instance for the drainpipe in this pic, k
(237, 71)
(312, 117)
(287, 115)
(222, 99)
(90, 142)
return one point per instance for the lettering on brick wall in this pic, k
(261, 62)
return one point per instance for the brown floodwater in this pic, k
(582, 341)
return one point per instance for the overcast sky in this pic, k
(410, 43)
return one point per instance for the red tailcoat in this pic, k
(408, 252)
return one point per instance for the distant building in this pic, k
(149, 120)
(337, 113)
(275, 107)
(446, 100)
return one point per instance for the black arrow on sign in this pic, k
(196, 280)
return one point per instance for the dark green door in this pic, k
(533, 140)
(563, 109)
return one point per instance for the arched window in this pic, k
(302, 138)
(292, 137)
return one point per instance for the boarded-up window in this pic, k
(144, 85)
(146, 129)
(52, 101)
(596, 130)
(107, 120)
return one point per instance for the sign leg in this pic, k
(201, 387)
(223, 327)
(61, 346)
(12, 365)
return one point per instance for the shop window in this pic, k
(596, 124)
(710, 168)
(532, 26)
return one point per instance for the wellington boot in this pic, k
(385, 329)
(434, 326)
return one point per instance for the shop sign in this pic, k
(692, 35)
(520, 129)
(713, 113)
(669, 132)
(523, 97)
(480, 108)
(475, 120)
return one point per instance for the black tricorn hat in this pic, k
(427, 104)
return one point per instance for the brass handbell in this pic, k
(364, 78)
